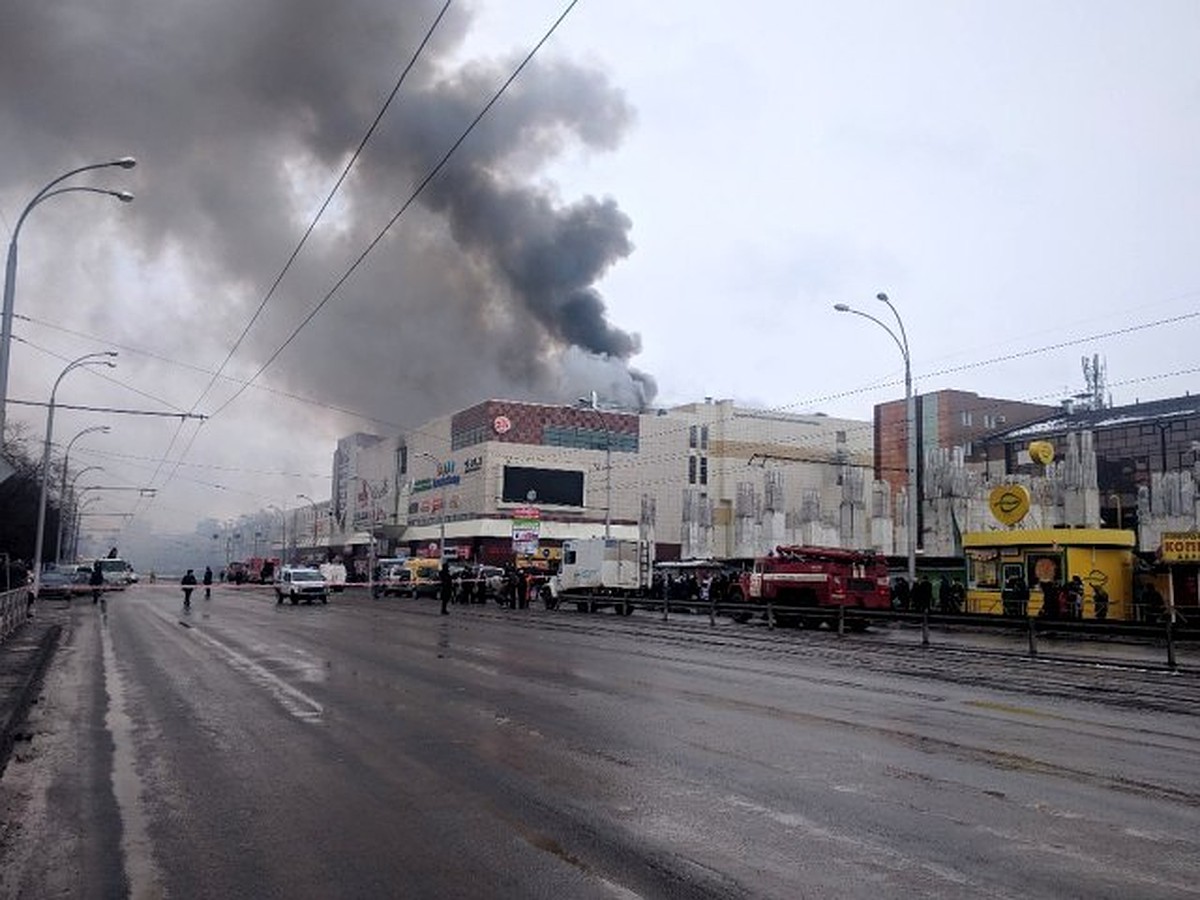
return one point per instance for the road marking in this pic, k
(141, 874)
(296, 702)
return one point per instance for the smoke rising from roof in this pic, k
(241, 115)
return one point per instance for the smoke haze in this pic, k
(243, 114)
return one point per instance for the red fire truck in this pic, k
(807, 585)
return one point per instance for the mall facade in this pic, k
(701, 479)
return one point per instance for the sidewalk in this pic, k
(23, 661)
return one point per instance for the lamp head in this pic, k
(125, 162)
(882, 296)
(841, 307)
(123, 196)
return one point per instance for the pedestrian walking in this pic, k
(96, 582)
(188, 583)
(445, 586)
(1100, 602)
(522, 589)
(207, 582)
(922, 594)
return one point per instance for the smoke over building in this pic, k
(241, 116)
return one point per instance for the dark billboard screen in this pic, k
(552, 487)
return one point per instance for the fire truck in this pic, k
(807, 585)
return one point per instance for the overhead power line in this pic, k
(299, 246)
(420, 188)
(111, 409)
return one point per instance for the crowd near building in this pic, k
(715, 479)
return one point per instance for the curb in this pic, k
(23, 662)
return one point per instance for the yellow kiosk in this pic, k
(1100, 556)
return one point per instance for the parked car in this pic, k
(298, 583)
(61, 584)
(394, 581)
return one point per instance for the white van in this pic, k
(334, 574)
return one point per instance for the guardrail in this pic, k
(14, 610)
(842, 619)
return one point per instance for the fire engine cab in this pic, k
(807, 585)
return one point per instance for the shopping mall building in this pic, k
(700, 479)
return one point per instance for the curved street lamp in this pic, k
(313, 503)
(910, 407)
(62, 493)
(10, 271)
(89, 359)
(591, 403)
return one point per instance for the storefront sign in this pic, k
(1009, 503)
(1180, 546)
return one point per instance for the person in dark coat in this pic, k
(188, 583)
(945, 600)
(96, 582)
(1051, 598)
(1100, 602)
(922, 594)
(207, 582)
(522, 589)
(445, 585)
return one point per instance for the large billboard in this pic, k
(545, 487)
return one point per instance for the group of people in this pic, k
(950, 597)
(515, 588)
(188, 583)
(713, 587)
(1061, 602)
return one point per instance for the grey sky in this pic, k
(707, 178)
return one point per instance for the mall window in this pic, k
(703, 437)
(704, 470)
(588, 439)
(691, 470)
(692, 436)
(468, 437)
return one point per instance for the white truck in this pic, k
(334, 574)
(600, 572)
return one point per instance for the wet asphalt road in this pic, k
(377, 749)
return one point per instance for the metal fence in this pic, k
(14, 610)
(1162, 636)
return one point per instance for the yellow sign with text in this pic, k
(1180, 546)
(1009, 503)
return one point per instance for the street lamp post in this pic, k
(910, 406)
(62, 496)
(441, 506)
(75, 500)
(282, 532)
(313, 503)
(10, 270)
(83, 504)
(90, 359)
(591, 404)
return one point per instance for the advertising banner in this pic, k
(526, 529)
